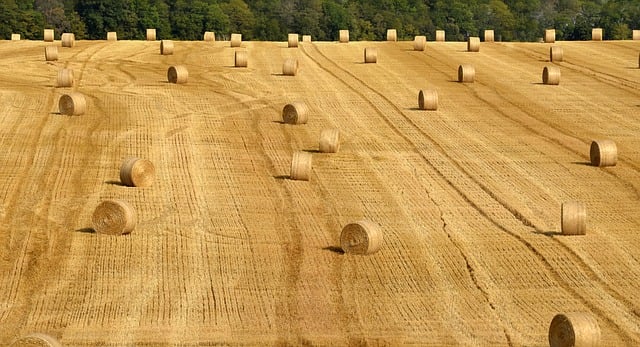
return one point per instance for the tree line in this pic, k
(272, 20)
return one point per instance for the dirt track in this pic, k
(229, 250)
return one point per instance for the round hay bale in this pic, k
(241, 58)
(556, 54)
(51, 53)
(329, 141)
(301, 166)
(439, 35)
(292, 40)
(603, 153)
(473, 44)
(428, 100)
(370, 55)
(344, 36)
(574, 218)
(362, 237)
(579, 329)
(177, 74)
(72, 104)
(236, 40)
(15, 37)
(488, 35)
(209, 36)
(65, 78)
(136, 172)
(419, 43)
(551, 75)
(306, 38)
(636, 35)
(151, 34)
(68, 40)
(36, 340)
(596, 34)
(295, 113)
(166, 47)
(290, 67)
(114, 217)
(392, 35)
(48, 35)
(550, 36)
(112, 36)
(466, 73)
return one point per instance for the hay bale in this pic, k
(344, 36)
(72, 104)
(136, 172)
(209, 36)
(166, 47)
(428, 100)
(551, 75)
(556, 54)
(473, 44)
(440, 35)
(236, 40)
(362, 237)
(488, 35)
(177, 74)
(550, 36)
(241, 59)
(114, 217)
(329, 141)
(419, 43)
(68, 40)
(306, 38)
(151, 34)
(574, 218)
(466, 73)
(15, 37)
(301, 166)
(36, 340)
(290, 67)
(48, 35)
(112, 36)
(292, 40)
(392, 35)
(370, 55)
(596, 34)
(51, 53)
(65, 78)
(603, 153)
(579, 329)
(636, 35)
(295, 113)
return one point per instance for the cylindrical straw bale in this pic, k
(114, 217)
(151, 34)
(574, 218)
(550, 36)
(51, 53)
(306, 38)
(236, 40)
(556, 54)
(344, 36)
(370, 55)
(290, 67)
(295, 113)
(72, 104)
(136, 172)
(579, 329)
(488, 35)
(112, 36)
(473, 44)
(596, 34)
(166, 47)
(551, 75)
(15, 37)
(68, 39)
(362, 237)
(636, 35)
(439, 35)
(36, 340)
(392, 35)
(178, 74)
(603, 153)
(292, 40)
(330, 141)
(466, 73)
(301, 166)
(419, 43)
(241, 59)
(209, 36)
(65, 78)
(48, 35)
(428, 100)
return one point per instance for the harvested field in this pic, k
(228, 250)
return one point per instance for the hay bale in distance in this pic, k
(551, 75)
(292, 40)
(295, 113)
(15, 37)
(68, 40)
(72, 104)
(344, 36)
(236, 40)
(306, 38)
(473, 44)
(166, 47)
(440, 36)
(574, 218)
(370, 55)
(48, 35)
(489, 35)
(550, 36)
(466, 73)
(301, 166)
(329, 141)
(51, 53)
(36, 340)
(241, 59)
(65, 78)
(151, 34)
(114, 217)
(177, 74)
(362, 238)
(635, 35)
(603, 153)
(392, 35)
(112, 36)
(428, 100)
(136, 172)
(556, 54)
(290, 67)
(209, 36)
(596, 34)
(419, 43)
(579, 329)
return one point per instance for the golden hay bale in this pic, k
(68, 40)
(440, 35)
(466, 73)
(370, 55)
(15, 37)
(551, 75)
(177, 74)
(241, 58)
(636, 35)
(362, 237)
(209, 36)
(292, 40)
(114, 217)
(236, 40)
(392, 35)
(65, 78)
(136, 172)
(306, 38)
(48, 35)
(419, 43)
(72, 104)
(51, 53)
(344, 36)
(574, 218)
(166, 47)
(579, 329)
(295, 113)
(301, 166)
(36, 340)
(556, 54)
(550, 36)
(596, 34)
(112, 36)
(151, 34)
(603, 153)
(290, 67)
(428, 100)
(329, 141)
(488, 35)
(473, 44)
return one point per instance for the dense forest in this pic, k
(512, 20)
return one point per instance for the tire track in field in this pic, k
(526, 222)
